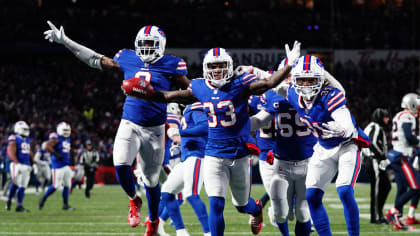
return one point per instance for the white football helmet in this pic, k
(150, 43)
(63, 129)
(174, 109)
(411, 101)
(308, 67)
(213, 56)
(22, 128)
(282, 64)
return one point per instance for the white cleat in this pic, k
(182, 232)
(161, 230)
(270, 213)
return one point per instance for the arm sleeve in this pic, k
(343, 117)
(199, 130)
(333, 82)
(411, 139)
(260, 119)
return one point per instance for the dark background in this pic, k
(43, 83)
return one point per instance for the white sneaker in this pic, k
(182, 232)
(161, 230)
(207, 234)
(270, 213)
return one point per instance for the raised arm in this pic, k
(86, 55)
(262, 85)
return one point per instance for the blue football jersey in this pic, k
(23, 148)
(193, 118)
(63, 148)
(319, 111)
(170, 118)
(227, 114)
(140, 111)
(266, 135)
(294, 140)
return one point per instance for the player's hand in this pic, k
(294, 54)
(332, 130)
(175, 150)
(384, 164)
(270, 158)
(243, 69)
(54, 34)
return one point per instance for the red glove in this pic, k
(362, 143)
(270, 158)
(253, 149)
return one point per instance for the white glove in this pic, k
(55, 35)
(293, 55)
(383, 164)
(175, 150)
(332, 129)
(243, 69)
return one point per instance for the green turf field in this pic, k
(105, 213)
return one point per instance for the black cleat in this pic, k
(21, 209)
(41, 203)
(67, 207)
(8, 205)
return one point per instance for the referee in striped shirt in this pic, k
(380, 184)
(89, 159)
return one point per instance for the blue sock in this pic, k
(20, 195)
(73, 184)
(126, 179)
(12, 191)
(163, 212)
(264, 199)
(173, 209)
(49, 191)
(153, 199)
(351, 211)
(200, 211)
(283, 227)
(216, 220)
(250, 208)
(164, 215)
(303, 229)
(318, 213)
(65, 195)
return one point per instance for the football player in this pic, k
(323, 109)
(59, 146)
(293, 147)
(142, 126)
(187, 176)
(42, 165)
(19, 152)
(403, 141)
(224, 98)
